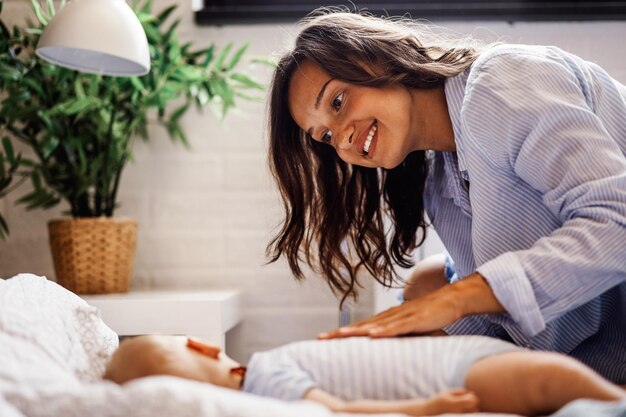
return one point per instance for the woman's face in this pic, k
(371, 127)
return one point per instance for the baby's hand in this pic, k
(454, 401)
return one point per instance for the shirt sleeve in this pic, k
(549, 135)
(472, 325)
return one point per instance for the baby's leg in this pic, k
(531, 383)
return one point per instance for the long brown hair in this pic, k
(335, 212)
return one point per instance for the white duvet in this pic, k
(54, 347)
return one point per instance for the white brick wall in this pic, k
(207, 213)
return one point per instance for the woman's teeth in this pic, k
(370, 136)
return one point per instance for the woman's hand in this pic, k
(431, 312)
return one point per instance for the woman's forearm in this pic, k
(475, 296)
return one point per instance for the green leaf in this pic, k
(154, 36)
(51, 11)
(36, 179)
(39, 199)
(264, 60)
(21, 96)
(170, 32)
(209, 56)
(46, 120)
(34, 85)
(28, 163)
(39, 12)
(94, 86)
(161, 17)
(178, 113)
(235, 59)
(174, 50)
(49, 145)
(190, 74)
(5, 31)
(175, 88)
(4, 227)
(248, 97)
(79, 89)
(9, 73)
(181, 135)
(147, 6)
(27, 198)
(246, 81)
(74, 106)
(136, 82)
(145, 18)
(8, 149)
(221, 57)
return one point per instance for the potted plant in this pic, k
(79, 131)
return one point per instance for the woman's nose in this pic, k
(345, 139)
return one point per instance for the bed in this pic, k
(54, 347)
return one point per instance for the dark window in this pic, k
(259, 11)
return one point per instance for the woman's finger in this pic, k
(344, 332)
(382, 315)
(415, 321)
(425, 314)
(363, 327)
(398, 328)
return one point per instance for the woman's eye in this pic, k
(337, 102)
(327, 137)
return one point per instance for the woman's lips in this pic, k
(367, 138)
(373, 142)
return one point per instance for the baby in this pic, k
(411, 375)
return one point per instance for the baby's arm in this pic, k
(457, 401)
(427, 276)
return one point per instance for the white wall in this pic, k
(207, 213)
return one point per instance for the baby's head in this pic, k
(179, 356)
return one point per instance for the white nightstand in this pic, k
(203, 313)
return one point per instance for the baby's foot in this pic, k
(454, 401)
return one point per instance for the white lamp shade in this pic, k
(96, 36)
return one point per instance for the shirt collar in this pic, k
(455, 93)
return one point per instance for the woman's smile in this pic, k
(367, 143)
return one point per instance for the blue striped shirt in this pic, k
(534, 199)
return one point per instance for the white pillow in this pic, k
(47, 330)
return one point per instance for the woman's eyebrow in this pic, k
(321, 94)
(318, 100)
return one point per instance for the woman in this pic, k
(516, 154)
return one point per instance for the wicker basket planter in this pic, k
(93, 255)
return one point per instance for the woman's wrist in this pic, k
(475, 296)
